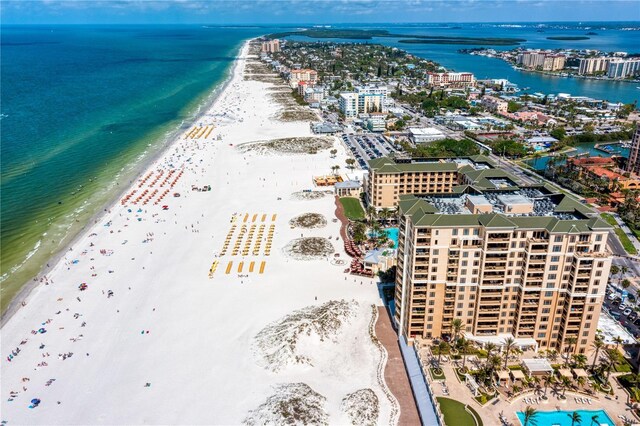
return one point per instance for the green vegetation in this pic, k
(609, 219)
(406, 38)
(461, 40)
(436, 376)
(387, 276)
(352, 208)
(513, 106)
(625, 241)
(568, 38)
(455, 414)
(299, 99)
(620, 363)
(508, 148)
(631, 382)
(431, 102)
(444, 148)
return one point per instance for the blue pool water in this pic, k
(392, 233)
(561, 418)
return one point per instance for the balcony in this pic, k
(591, 254)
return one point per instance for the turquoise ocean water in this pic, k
(82, 105)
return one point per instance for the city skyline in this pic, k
(261, 12)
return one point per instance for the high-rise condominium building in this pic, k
(508, 261)
(271, 46)
(593, 65)
(364, 100)
(633, 164)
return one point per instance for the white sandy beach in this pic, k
(191, 337)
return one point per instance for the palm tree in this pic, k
(575, 418)
(442, 346)
(530, 414)
(579, 360)
(570, 342)
(597, 344)
(463, 346)
(371, 214)
(566, 383)
(490, 347)
(548, 380)
(618, 341)
(581, 381)
(595, 420)
(385, 214)
(509, 343)
(456, 328)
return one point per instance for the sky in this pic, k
(312, 11)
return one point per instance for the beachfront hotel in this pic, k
(451, 79)
(509, 261)
(389, 179)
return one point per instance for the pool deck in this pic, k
(614, 406)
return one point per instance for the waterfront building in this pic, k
(388, 179)
(633, 164)
(419, 135)
(588, 66)
(521, 262)
(623, 68)
(553, 63)
(303, 85)
(313, 95)
(495, 104)
(271, 46)
(532, 59)
(451, 79)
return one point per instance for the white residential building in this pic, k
(425, 134)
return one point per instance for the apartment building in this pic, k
(588, 66)
(633, 163)
(509, 261)
(553, 63)
(495, 104)
(623, 68)
(531, 59)
(451, 79)
(388, 179)
(364, 100)
(298, 75)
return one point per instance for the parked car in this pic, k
(637, 322)
(612, 296)
(627, 312)
(633, 316)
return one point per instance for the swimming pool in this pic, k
(562, 418)
(392, 233)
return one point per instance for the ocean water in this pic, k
(82, 107)
(610, 37)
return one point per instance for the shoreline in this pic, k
(150, 312)
(104, 209)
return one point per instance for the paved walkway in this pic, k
(394, 373)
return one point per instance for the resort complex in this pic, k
(511, 262)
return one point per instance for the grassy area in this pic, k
(352, 208)
(435, 376)
(624, 238)
(455, 414)
(620, 363)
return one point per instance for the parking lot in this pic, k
(365, 147)
(627, 316)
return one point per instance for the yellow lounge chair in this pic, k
(229, 267)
